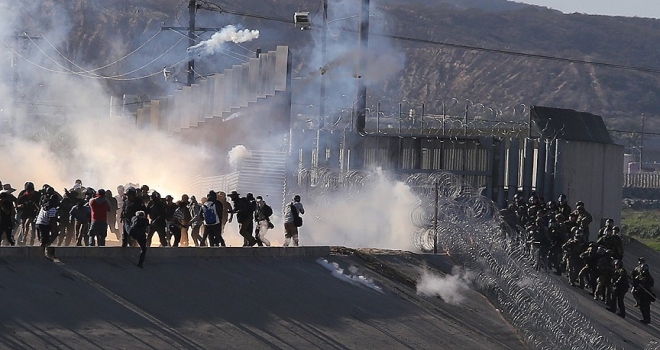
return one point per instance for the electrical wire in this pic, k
(90, 75)
(74, 73)
(90, 71)
(94, 75)
(460, 46)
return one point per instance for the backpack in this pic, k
(267, 211)
(297, 220)
(210, 214)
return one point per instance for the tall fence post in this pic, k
(435, 221)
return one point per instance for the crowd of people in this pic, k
(558, 237)
(84, 216)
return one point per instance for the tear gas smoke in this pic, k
(55, 125)
(451, 288)
(352, 278)
(228, 33)
(377, 215)
(237, 155)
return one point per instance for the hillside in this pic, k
(429, 72)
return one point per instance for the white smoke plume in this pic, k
(236, 156)
(376, 216)
(352, 278)
(228, 33)
(451, 288)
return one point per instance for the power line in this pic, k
(523, 54)
(215, 7)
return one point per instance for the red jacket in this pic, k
(100, 208)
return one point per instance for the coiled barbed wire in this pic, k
(470, 229)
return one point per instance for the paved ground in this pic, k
(239, 302)
(262, 298)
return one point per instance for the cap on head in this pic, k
(259, 199)
(234, 194)
(249, 196)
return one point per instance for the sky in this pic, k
(629, 8)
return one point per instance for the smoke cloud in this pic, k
(377, 215)
(56, 124)
(228, 33)
(237, 155)
(451, 288)
(353, 277)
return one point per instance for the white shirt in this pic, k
(44, 216)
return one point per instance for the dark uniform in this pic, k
(642, 284)
(572, 249)
(620, 288)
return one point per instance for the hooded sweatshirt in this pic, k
(100, 208)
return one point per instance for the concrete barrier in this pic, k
(165, 252)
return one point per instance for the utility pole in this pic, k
(359, 115)
(361, 106)
(641, 148)
(191, 32)
(192, 9)
(323, 62)
(320, 137)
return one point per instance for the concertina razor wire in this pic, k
(471, 231)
